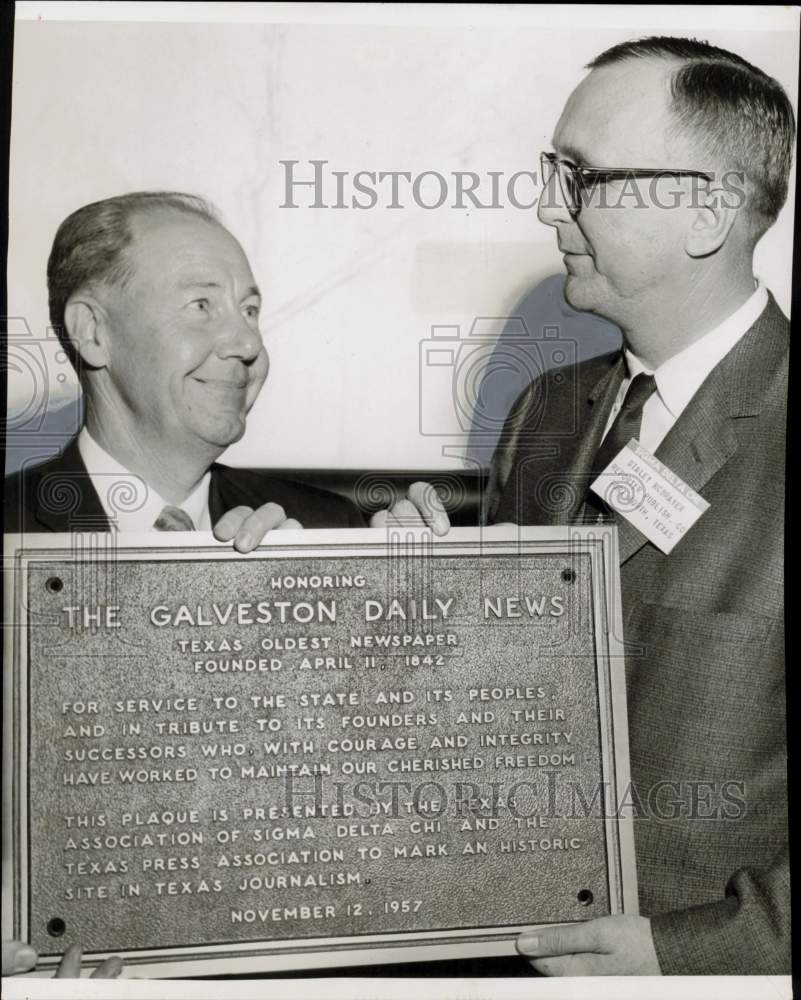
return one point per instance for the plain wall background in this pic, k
(103, 108)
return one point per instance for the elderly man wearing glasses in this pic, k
(664, 248)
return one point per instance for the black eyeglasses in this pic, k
(574, 181)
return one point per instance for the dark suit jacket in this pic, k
(705, 648)
(58, 495)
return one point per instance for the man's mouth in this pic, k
(574, 262)
(222, 383)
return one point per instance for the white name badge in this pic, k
(655, 500)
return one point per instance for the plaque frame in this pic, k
(598, 541)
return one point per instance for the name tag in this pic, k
(655, 500)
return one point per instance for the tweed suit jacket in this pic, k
(58, 495)
(703, 628)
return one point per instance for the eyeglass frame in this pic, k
(603, 174)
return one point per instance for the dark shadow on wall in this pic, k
(543, 332)
(33, 436)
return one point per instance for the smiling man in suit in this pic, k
(155, 302)
(671, 159)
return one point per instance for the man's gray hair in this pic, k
(89, 246)
(741, 116)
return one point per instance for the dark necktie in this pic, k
(627, 423)
(625, 426)
(173, 519)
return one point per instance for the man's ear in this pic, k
(711, 224)
(86, 320)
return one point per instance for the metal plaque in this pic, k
(344, 748)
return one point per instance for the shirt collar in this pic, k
(680, 377)
(128, 501)
(196, 504)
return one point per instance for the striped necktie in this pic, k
(626, 424)
(173, 519)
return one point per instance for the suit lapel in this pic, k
(703, 439)
(550, 467)
(598, 406)
(64, 498)
(697, 446)
(217, 502)
(224, 494)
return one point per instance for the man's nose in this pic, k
(239, 338)
(552, 208)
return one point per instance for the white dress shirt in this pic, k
(127, 499)
(680, 377)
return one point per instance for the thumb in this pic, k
(426, 499)
(18, 957)
(571, 939)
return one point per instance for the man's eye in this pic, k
(201, 305)
(252, 312)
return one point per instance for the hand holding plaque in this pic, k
(19, 957)
(246, 527)
(606, 946)
(421, 507)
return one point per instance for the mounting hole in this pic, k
(568, 575)
(584, 896)
(55, 584)
(56, 927)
